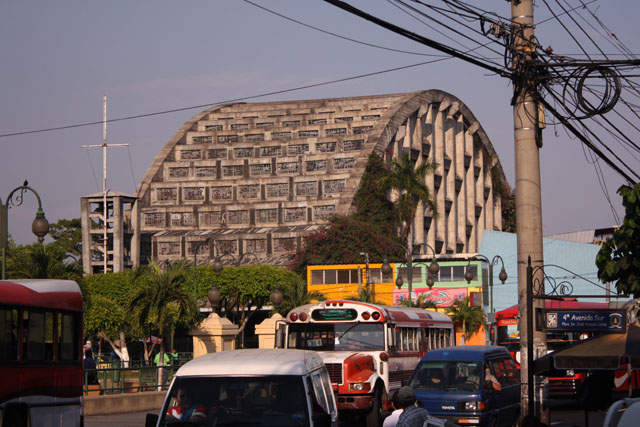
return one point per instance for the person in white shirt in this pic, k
(392, 419)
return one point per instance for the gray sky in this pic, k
(59, 58)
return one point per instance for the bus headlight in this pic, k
(359, 386)
(474, 406)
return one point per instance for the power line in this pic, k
(177, 110)
(338, 35)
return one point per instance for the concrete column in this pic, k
(214, 334)
(86, 236)
(266, 331)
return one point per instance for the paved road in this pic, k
(132, 419)
(563, 414)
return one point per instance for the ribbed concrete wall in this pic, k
(258, 177)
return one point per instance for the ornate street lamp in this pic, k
(196, 248)
(434, 268)
(468, 275)
(40, 225)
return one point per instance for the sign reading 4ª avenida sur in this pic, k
(584, 320)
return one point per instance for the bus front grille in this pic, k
(335, 372)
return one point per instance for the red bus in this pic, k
(368, 349)
(571, 385)
(40, 353)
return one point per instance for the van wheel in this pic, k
(374, 417)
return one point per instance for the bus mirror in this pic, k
(391, 338)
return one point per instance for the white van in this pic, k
(250, 387)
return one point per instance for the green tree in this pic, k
(67, 234)
(162, 301)
(422, 301)
(408, 182)
(246, 289)
(619, 258)
(470, 317)
(295, 295)
(37, 261)
(106, 298)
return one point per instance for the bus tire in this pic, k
(374, 417)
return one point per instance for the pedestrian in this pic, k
(161, 362)
(89, 367)
(412, 415)
(392, 419)
(174, 356)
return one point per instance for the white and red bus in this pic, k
(571, 385)
(368, 349)
(40, 353)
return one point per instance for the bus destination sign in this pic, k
(333, 314)
(583, 320)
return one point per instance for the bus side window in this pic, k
(8, 334)
(36, 336)
(66, 335)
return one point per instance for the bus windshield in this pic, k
(336, 336)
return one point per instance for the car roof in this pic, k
(252, 362)
(466, 353)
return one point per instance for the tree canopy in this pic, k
(619, 258)
(470, 317)
(407, 181)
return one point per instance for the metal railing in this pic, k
(114, 378)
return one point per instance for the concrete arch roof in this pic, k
(314, 153)
(403, 106)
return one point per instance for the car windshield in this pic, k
(277, 400)
(449, 375)
(337, 336)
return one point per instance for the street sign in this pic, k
(581, 320)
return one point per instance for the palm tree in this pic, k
(409, 182)
(162, 302)
(296, 295)
(471, 317)
(422, 301)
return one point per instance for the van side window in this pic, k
(505, 371)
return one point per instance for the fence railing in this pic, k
(139, 376)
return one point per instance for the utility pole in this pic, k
(528, 141)
(105, 211)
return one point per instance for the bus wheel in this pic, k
(374, 417)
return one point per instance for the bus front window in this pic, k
(336, 336)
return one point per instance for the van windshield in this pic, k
(449, 375)
(277, 400)
(336, 336)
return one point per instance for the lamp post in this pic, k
(196, 248)
(468, 276)
(40, 225)
(434, 268)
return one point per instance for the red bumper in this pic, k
(354, 402)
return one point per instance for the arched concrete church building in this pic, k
(254, 178)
